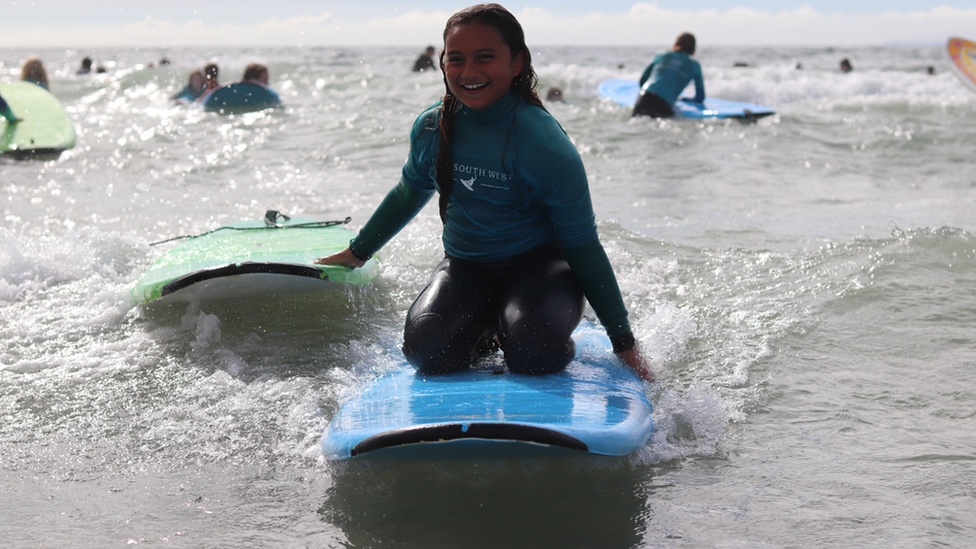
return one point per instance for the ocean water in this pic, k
(804, 285)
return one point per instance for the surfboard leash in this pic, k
(273, 220)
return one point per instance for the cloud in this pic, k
(648, 24)
(642, 24)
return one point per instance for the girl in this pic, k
(195, 87)
(519, 230)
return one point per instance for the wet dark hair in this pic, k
(211, 71)
(524, 84)
(686, 43)
(253, 71)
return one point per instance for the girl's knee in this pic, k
(539, 355)
(430, 349)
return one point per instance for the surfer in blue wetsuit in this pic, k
(520, 234)
(667, 76)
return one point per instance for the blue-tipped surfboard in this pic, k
(269, 256)
(241, 97)
(625, 92)
(45, 131)
(596, 406)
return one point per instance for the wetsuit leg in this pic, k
(651, 104)
(542, 305)
(448, 318)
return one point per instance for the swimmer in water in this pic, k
(426, 61)
(195, 87)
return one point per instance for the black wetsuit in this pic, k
(423, 63)
(532, 302)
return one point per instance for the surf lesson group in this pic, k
(522, 251)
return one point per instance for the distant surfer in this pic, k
(256, 73)
(667, 76)
(86, 66)
(426, 61)
(33, 72)
(845, 65)
(210, 75)
(519, 234)
(195, 87)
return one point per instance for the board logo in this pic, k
(469, 183)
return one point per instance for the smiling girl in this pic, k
(520, 235)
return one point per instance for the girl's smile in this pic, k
(478, 65)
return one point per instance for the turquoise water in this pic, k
(805, 287)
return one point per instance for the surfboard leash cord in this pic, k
(273, 220)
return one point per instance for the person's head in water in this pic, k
(483, 60)
(430, 51)
(256, 72)
(211, 72)
(845, 65)
(33, 71)
(686, 43)
(196, 81)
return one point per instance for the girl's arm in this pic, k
(699, 85)
(592, 269)
(400, 206)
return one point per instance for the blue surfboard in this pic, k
(241, 97)
(625, 92)
(596, 406)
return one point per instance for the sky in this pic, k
(162, 23)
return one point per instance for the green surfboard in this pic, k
(270, 256)
(45, 130)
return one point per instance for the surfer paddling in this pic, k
(520, 235)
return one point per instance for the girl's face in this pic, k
(478, 65)
(196, 81)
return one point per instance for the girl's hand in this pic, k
(344, 258)
(635, 360)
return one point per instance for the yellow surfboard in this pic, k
(962, 54)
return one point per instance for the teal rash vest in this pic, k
(519, 182)
(669, 74)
